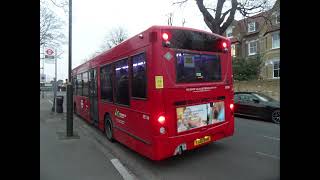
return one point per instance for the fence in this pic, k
(267, 87)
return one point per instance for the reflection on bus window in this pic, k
(106, 83)
(139, 76)
(198, 68)
(122, 82)
(79, 85)
(85, 84)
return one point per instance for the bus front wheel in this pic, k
(108, 128)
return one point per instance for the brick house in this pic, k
(256, 36)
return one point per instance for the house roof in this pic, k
(262, 19)
(258, 18)
(271, 27)
(234, 40)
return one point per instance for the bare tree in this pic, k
(60, 3)
(170, 19)
(63, 4)
(183, 21)
(220, 20)
(114, 37)
(51, 28)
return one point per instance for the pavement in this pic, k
(79, 158)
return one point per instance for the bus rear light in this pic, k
(224, 44)
(161, 119)
(165, 36)
(231, 107)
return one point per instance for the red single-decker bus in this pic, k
(164, 91)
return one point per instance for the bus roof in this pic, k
(84, 66)
(185, 28)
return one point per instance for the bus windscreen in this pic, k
(197, 68)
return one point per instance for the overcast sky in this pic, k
(92, 19)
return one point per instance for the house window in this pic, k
(276, 16)
(275, 40)
(252, 47)
(233, 50)
(251, 27)
(276, 69)
(229, 32)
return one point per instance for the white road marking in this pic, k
(50, 101)
(122, 170)
(268, 155)
(273, 138)
(116, 163)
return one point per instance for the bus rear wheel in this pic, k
(108, 128)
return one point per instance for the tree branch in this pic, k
(50, 28)
(208, 19)
(245, 11)
(60, 6)
(223, 16)
(231, 16)
(179, 2)
(219, 9)
(214, 10)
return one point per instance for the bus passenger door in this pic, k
(93, 96)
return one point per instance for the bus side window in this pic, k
(139, 76)
(122, 82)
(74, 83)
(85, 85)
(79, 85)
(106, 86)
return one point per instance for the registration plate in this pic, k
(201, 140)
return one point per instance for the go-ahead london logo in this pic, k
(119, 114)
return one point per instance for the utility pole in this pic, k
(69, 84)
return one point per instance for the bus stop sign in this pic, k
(49, 53)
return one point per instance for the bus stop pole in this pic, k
(43, 71)
(55, 84)
(69, 85)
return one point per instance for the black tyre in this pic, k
(108, 128)
(275, 116)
